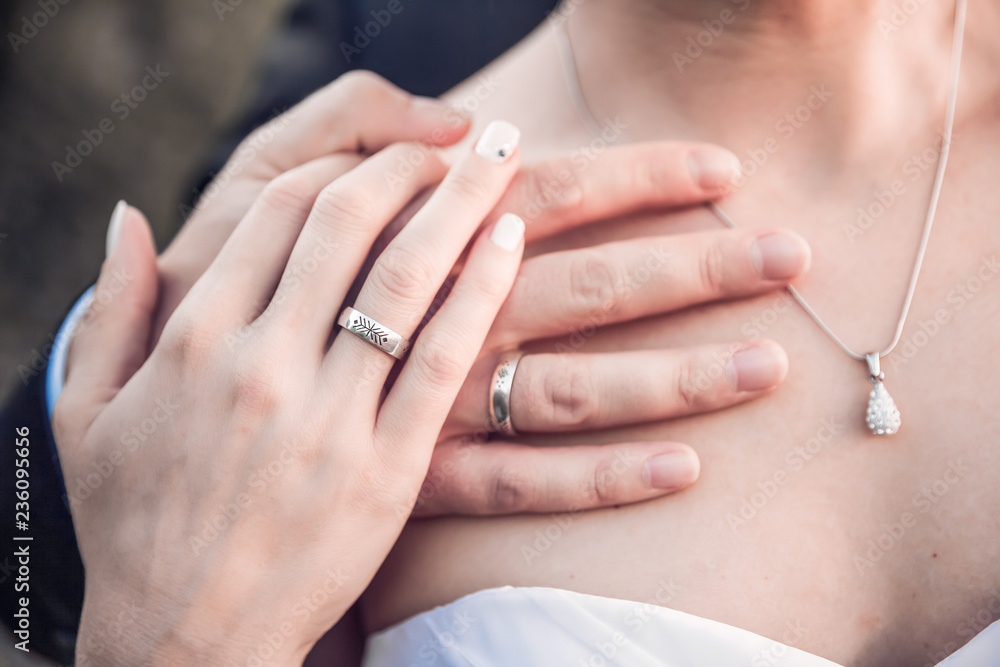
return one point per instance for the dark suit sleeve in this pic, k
(54, 571)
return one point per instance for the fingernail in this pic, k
(780, 255)
(115, 227)
(499, 141)
(759, 367)
(672, 470)
(712, 168)
(508, 232)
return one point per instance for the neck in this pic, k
(838, 83)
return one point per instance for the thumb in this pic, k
(111, 341)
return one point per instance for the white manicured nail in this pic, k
(499, 141)
(115, 227)
(508, 232)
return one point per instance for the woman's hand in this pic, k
(355, 116)
(257, 473)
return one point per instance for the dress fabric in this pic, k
(548, 627)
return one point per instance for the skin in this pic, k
(807, 556)
(235, 349)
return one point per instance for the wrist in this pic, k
(120, 631)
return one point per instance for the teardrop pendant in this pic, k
(883, 416)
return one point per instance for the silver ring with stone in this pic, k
(500, 387)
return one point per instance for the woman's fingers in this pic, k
(503, 478)
(575, 392)
(358, 113)
(421, 397)
(110, 343)
(253, 258)
(558, 194)
(405, 278)
(617, 282)
(346, 218)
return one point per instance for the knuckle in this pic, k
(570, 394)
(712, 269)
(466, 187)
(441, 359)
(602, 487)
(546, 187)
(188, 343)
(290, 191)
(690, 387)
(404, 274)
(484, 287)
(346, 209)
(361, 84)
(654, 174)
(592, 280)
(509, 490)
(255, 389)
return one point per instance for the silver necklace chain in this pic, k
(587, 116)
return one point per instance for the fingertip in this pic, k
(758, 366)
(714, 169)
(508, 232)
(672, 469)
(781, 255)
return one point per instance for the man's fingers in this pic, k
(627, 280)
(359, 112)
(588, 186)
(502, 478)
(577, 392)
(110, 342)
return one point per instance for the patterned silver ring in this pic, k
(373, 333)
(500, 386)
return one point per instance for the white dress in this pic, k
(547, 627)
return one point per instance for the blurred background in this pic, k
(108, 99)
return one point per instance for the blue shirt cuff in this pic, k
(56, 373)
